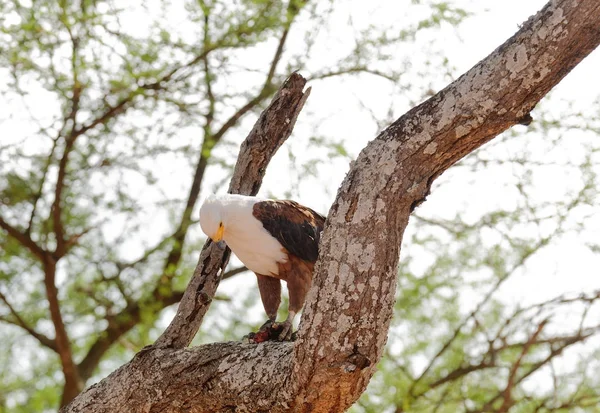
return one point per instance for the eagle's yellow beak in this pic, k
(219, 235)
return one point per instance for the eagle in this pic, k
(277, 240)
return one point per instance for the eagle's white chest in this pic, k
(254, 246)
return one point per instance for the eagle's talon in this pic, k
(286, 330)
(267, 325)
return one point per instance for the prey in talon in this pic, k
(276, 239)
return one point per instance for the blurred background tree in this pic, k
(117, 118)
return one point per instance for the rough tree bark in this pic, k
(344, 326)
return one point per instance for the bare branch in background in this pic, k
(18, 321)
(233, 272)
(24, 239)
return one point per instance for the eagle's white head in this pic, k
(211, 218)
(230, 218)
(227, 214)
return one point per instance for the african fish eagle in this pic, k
(276, 239)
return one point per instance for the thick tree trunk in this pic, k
(346, 318)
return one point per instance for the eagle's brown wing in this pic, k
(296, 227)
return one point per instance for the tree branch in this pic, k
(57, 204)
(39, 193)
(69, 143)
(352, 70)
(73, 383)
(233, 272)
(18, 321)
(164, 371)
(512, 375)
(24, 239)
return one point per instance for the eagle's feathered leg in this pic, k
(298, 283)
(270, 294)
